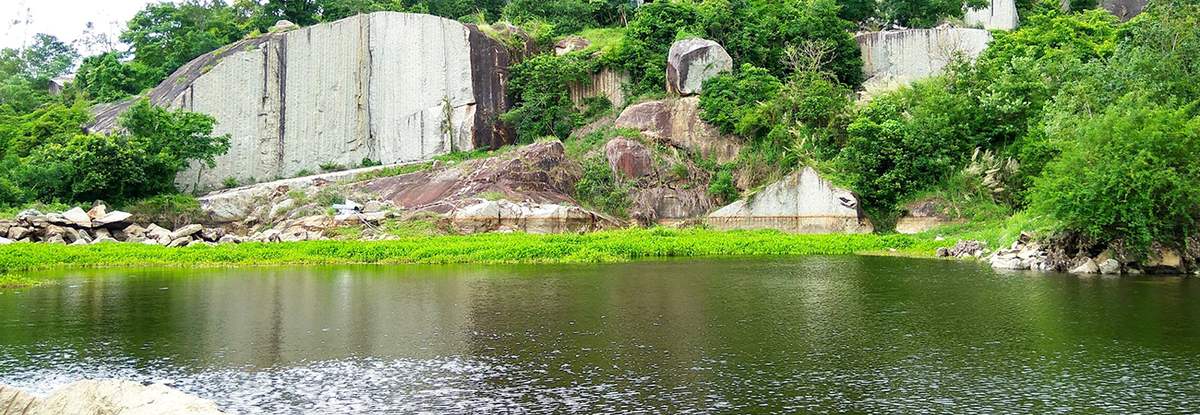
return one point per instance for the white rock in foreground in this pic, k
(803, 202)
(106, 397)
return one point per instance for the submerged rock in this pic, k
(803, 202)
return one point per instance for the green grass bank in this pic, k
(599, 247)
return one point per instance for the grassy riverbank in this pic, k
(609, 246)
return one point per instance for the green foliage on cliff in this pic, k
(105, 78)
(602, 190)
(541, 86)
(731, 102)
(568, 16)
(1129, 173)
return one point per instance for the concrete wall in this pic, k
(900, 57)
(391, 87)
(998, 15)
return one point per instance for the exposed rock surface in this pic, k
(628, 158)
(570, 44)
(677, 122)
(924, 215)
(506, 216)
(1125, 9)
(803, 202)
(893, 58)
(608, 83)
(538, 173)
(692, 61)
(105, 397)
(390, 87)
(997, 15)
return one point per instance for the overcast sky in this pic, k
(65, 19)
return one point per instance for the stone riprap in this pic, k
(998, 15)
(803, 202)
(894, 58)
(692, 61)
(390, 87)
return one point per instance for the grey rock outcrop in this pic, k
(924, 215)
(803, 202)
(894, 58)
(998, 15)
(692, 61)
(571, 44)
(536, 218)
(676, 122)
(105, 397)
(1125, 9)
(390, 87)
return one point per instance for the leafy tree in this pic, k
(166, 35)
(732, 102)
(25, 73)
(540, 86)
(905, 141)
(105, 78)
(567, 16)
(1127, 174)
(301, 12)
(142, 160)
(46, 59)
(924, 13)
(643, 52)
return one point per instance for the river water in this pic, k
(783, 335)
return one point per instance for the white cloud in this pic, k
(65, 19)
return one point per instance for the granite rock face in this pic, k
(998, 15)
(390, 87)
(628, 158)
(692, 61)
(1125, 9)
(106, 397)
(893, 58)
(677, 122)
(803, 202)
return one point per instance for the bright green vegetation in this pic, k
(18, 281)
(608, 246)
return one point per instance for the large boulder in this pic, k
(692, 61)
(676, 122)
(106, 397)
(537, 218)
(899, 57)
(803, 202)
(538, 173)
(997, 15)
(628, 158)
(1125, 9)
(389, 87)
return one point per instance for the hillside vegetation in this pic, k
(1075, 121)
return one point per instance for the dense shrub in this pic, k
(142, 160)
(731, 102)
(643, 52)
(568, 16)
(924, 13)
(173, 210)
(600, 189)
(1127, 174)
(763, 32)
(541, 90)
(906, 141)
(105, 78)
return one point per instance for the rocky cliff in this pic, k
(390, 87)
(899, 57)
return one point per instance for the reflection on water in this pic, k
(824, 334)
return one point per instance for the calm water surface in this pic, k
(815, 334)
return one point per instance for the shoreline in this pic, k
(492, 248)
